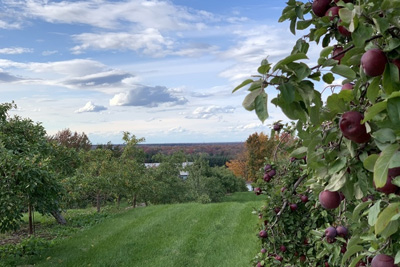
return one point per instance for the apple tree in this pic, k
(349, 137)
(28, 177)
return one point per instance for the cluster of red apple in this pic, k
(328, 8)
(269, 172)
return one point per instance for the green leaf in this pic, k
(374, 110)
(389, 4)
(325, 52)
(351, 251)
(264, 69)
(373, 89)
(288, 92)
(244, 83)
(357, 210)
(382, 165)
(290, 59)
(301, 70)
(293, 25)
(370, 161)
(337, 181)
(361, 34)
(374, 212)
(299, 152)
(248, 102)
(346, 15)
(393, 109)
(381, 24)
(390, 229)
(355, 261)
(337, 165)
(303, 24)
(255, 85)
(328, 78)
(390, 81)
(385, 217)
(261, 103)
(337, 104)
(385, 135)
(344, 71)
(397, 257)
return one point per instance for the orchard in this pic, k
(336, 200)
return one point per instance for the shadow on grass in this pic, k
(242, 197)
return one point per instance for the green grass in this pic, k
(219, 234)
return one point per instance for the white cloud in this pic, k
(210, 111)
(15, 50)
(253, 45)
(147, 96)
(73, 74)
(49, 52)
(162, 15)
(90, 107)
(149, 41)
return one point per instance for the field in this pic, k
(192, 234)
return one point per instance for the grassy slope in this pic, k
(220, 234)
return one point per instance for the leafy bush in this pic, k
(10, 254)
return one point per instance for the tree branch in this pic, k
(296, 184)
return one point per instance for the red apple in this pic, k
(263, 234)
(278, 258)
(330, 232)
(343, 30)
(283, 248)
(332, 12)
(397, 63)
(302, 258)
(263, 251)
(293, 206)
(304, 198)
(319, 7)
(330, 240)
(342, 231)
(374, 62)
(277, 127)
(267, 167)
(347, 86)
(272, 173)
(351, 127)
(382, 260)
(329, 199)
(343, 248)
(267, 178)
(389, 188)
(336, 51)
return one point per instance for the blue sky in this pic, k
(162, 70)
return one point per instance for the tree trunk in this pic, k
(30, 219)
(98, 202)
(59, 218)
(118, 200)
(134, 201)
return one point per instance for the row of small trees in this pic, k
(51, 173)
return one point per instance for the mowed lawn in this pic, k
(218, 234)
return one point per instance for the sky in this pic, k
(162, 70)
